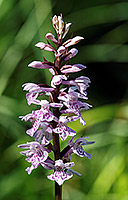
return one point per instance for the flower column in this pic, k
(48, 127)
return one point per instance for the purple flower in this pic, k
(76, 147)
(62, 129)
(70, 100)
(38, 116)
(34, 91)
(72, 68)
(82, 83)
(60, 27)
(44, 46)
(72, 41)
(60, 172)
(41, 65)
(44, 131)
(57, 80)
(60, 50)
(51, 37)
(58, 24)
(67, 26)
(71, 54)
(35, 88)
(50, 120)
(36, 154)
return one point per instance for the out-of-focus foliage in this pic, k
(104, 25)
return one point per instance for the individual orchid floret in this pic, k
(67, 26)
(36, 154)
(62, 129)
(60, 172)
(57, 80)
(44, 131)
(70, 100)
(51, 37)
(58, 24)
(72, 68)
(82, 83)
(34, 91)
(60, 50)
(44, 46)
(41, 65)
(38, 116)
(45, 104)
(76, 147)
(60, 27)
(32, 98)
(72, 41)
(71, 54)
(35, 88)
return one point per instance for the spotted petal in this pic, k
(59, 177)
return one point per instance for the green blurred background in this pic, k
(104, 25)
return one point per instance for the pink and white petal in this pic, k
(64, 177)
(48, 117)
(44, 46)
(27, 117)
(63, 135)
(61, 50)
(58, 130)
(82, 120)
(26, 153)
(34, 160)
(71, 53)
(59, 177)
(34, 128)
(56, 105)
(29, 86)
(39, 65)
(51, 37)
(24, 146)
(29, 169)
(69, 164)
(67, 26)
(44, 156)
(72, 68)
(73, 41)
(70, 132)
(52, 71)
(72, 119)
(36, 64)
(82, 96)
(37, 102)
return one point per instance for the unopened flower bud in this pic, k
(51, 37)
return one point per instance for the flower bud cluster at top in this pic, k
(49, 123)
